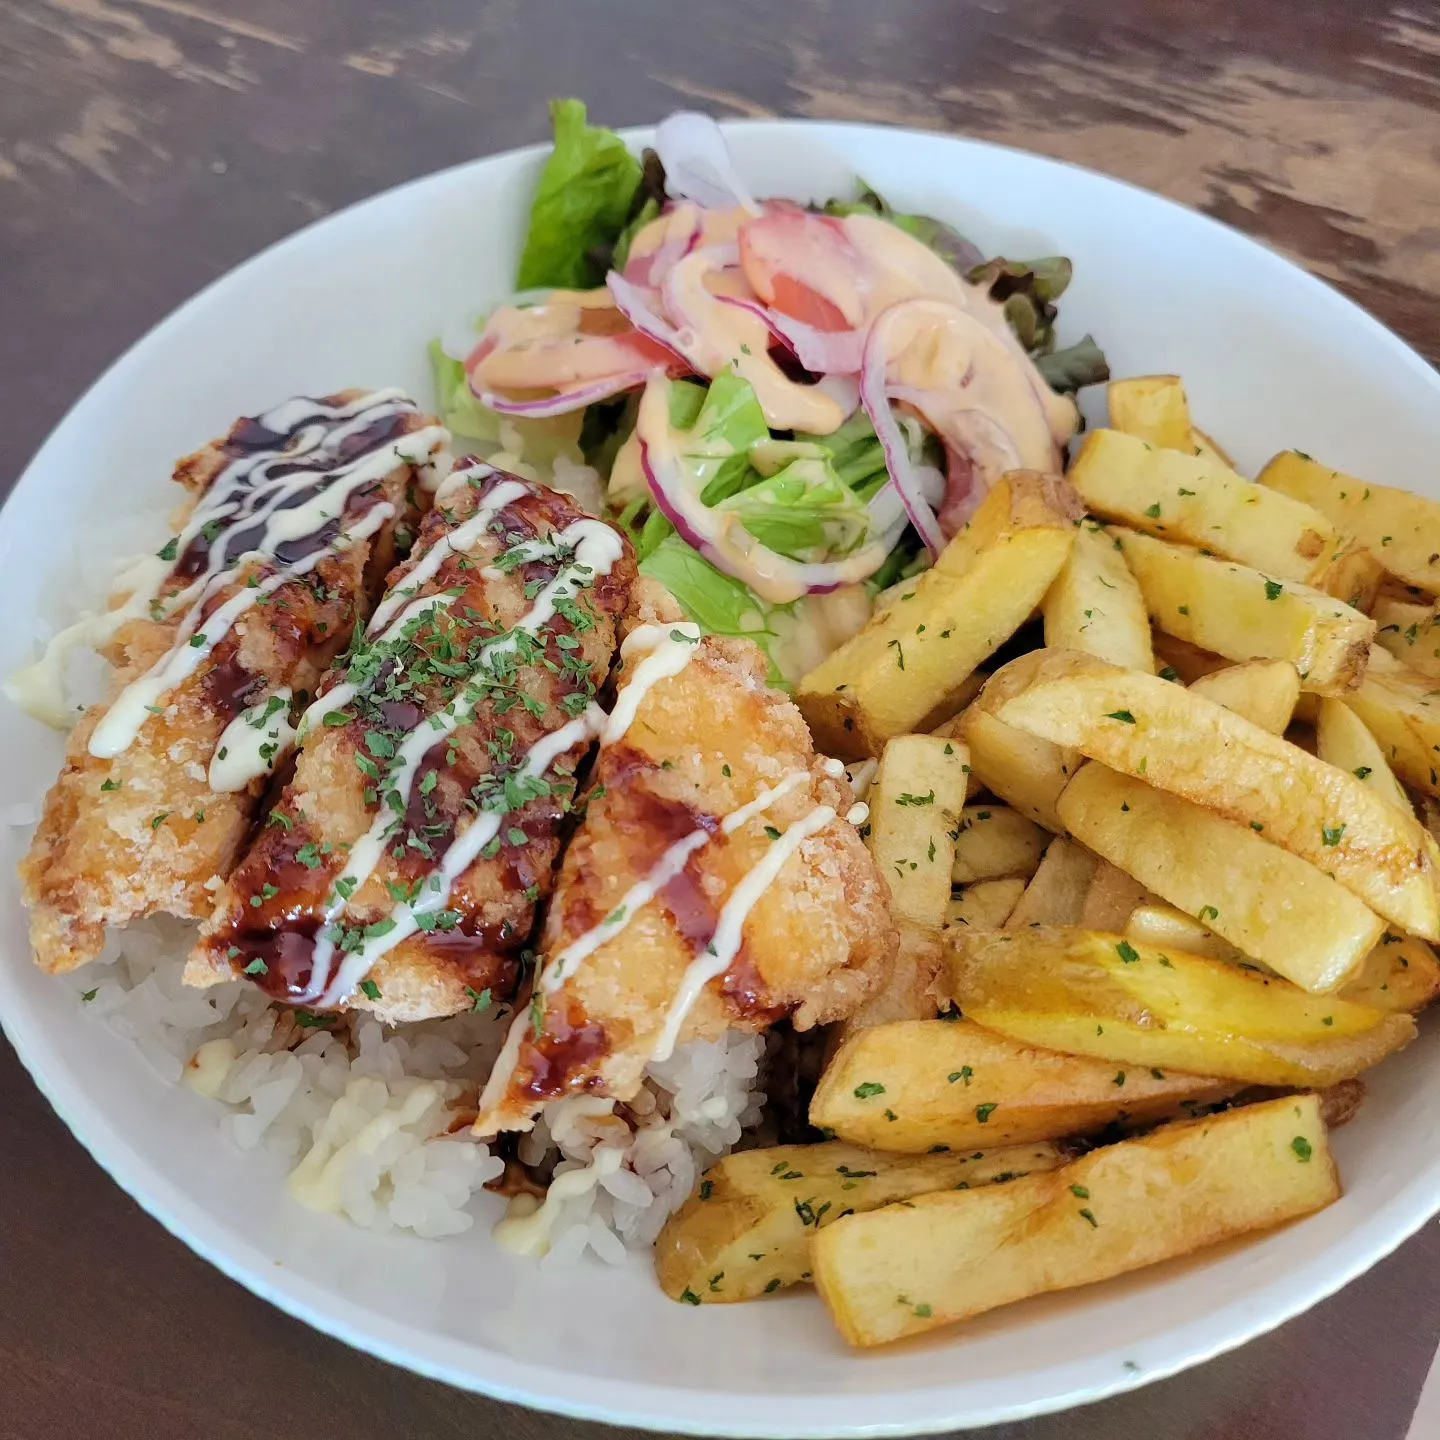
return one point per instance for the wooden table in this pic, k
(146, 146)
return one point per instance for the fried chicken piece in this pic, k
(282, 548)
(401, 870)
(714, 840)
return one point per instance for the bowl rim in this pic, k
(651, 1405)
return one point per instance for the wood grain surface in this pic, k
(146, 146)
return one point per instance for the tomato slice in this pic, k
(796, 299)
(805, 266)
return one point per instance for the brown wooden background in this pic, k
(146, 146)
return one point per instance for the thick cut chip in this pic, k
(995, 842)
(1401, 709)
(917, 1084)
(746, 1231)
(1153, 408)
(1265, 692)
(1088, 993)
(1095, 604)
(283, 547)
(916, 656)
(1271, 904)
(930, 1261)
(714, 883)
(1057, 892)
(1245, 614)
(1341, 739)
(1190, 499)
(400, 870)
(1180, 741)
(985, 905)
(1399, 528)
(1354, 576)
(915, 803)
(1410, 632)
(907, 989)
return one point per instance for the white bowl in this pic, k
(1272, 358)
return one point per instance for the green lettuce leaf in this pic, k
(804, 510)
(1028, 290)
(582, 203)
(1080, 364)
(460, 412)
(945, 240)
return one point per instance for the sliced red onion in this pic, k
(844, 390)
(650, 270)
(903, 472)
(638, 305)
(697, 162)
(567, 400)
(825, 352)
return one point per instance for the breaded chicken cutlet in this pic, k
(401, 870)
(714, 883)
(283, 543)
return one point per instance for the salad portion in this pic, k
(787, 407)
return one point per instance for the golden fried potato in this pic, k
(985, 905)
(1245, 614)
(1354, 576)
(1401, 709)
(904, 1269)
(1182, 742)
(1410, 632)
(1095, 604)
(908, 989)
(1265, 692)
(1341, 739)
(913, 659)
(1153, 408)
(1112, 897)
(996, 842)
(1269, 903)
(1089, 993)
(1188, 498)
(1057, 893)
(1400, 529)
(915, 802)
(911, 1086)
(746, 1231)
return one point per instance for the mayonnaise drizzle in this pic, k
(596, 548)
(255, 489)
(668, 649)
(252, 743)
(725, 943)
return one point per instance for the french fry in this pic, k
(1245, 614)
(1188, 498)
(1400, 529)
(1263, 691)
(1401, 709)
(1057, 893)
(1354, 576)
(746, 1231)
(1400, 973)
(1410, 632)
(915, 802)
(986, 905)
(1112, 897)
(1180, 741)
(1267, 902)
(1088, 993)
(1027, 772)
(1341, 739)
(1180, 661)
(1095, 604)
(1153, 408)
(939, 1258)
(912, 660)
(1206, 445)
(994, 843)
(912, 1086)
